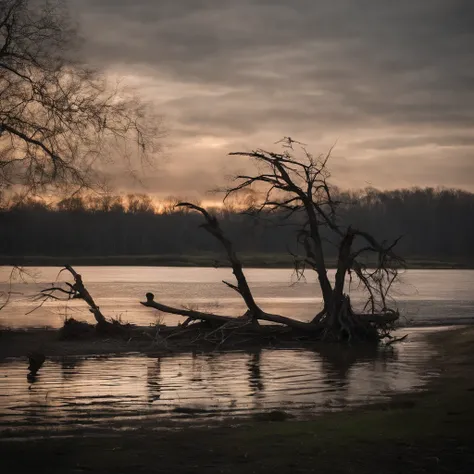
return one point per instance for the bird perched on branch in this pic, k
(288, 142)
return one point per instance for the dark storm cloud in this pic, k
(392, 80)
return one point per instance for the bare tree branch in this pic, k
(213, 227)
(291, 185)
(76, 290)
(58, 117)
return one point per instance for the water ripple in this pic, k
(76, 392)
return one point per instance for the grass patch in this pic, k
(74, 329)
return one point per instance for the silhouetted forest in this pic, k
(435, 225)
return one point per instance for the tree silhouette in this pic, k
(58, 116)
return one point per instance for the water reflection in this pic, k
(32, 378)
(153, 380)
(255, 375)
(340, 369)
(37, 406)
(337, 361)
(70, 367)
(187, 388)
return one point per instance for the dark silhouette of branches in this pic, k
(254, 312)
(58, 116)
(76, 290)
(242, 288)
(293, 184)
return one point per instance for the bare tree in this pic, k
(297, 187)
(58, 117)
(60, 120)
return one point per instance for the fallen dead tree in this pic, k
(208, 331)
(292, 186)
(289, 187)
(254, 312)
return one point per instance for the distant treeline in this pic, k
(434, 225)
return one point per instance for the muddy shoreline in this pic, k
(19, 342)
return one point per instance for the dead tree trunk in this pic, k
(212, 319)
(242, 288)
(76, 290)
(291, 187)
(82, 293)
(294, 186)
(254, 312)
(339, 308)
(217, 319)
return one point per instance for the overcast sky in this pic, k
(391, 81)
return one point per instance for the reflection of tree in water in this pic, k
(32, 378)
(37, 407)
(153, 380)
(337, 362)
(255, 377)
(70, 367)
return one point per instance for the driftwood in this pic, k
(291, 187)
(216, 321)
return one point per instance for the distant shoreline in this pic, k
(204, 260)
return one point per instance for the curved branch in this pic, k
(213, 227)
(77, 290)
(30, 140)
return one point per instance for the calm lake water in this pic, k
(425, 297)
(123, 391)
